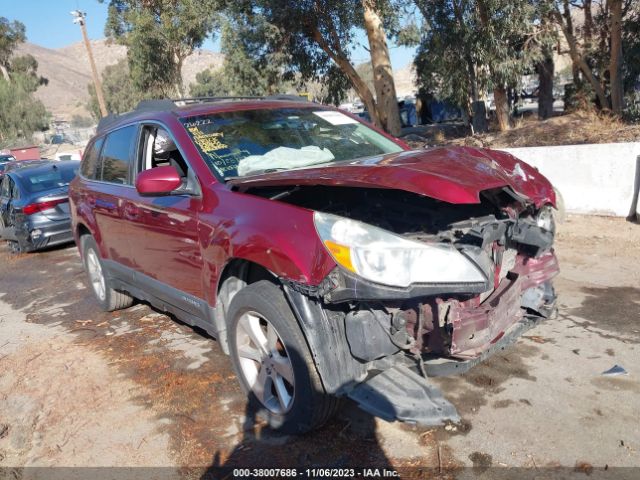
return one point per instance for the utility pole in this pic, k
(79, 18)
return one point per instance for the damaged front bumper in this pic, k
(374, 349)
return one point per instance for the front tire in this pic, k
(273, 363)
(108, 298)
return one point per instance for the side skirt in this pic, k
(190, 309)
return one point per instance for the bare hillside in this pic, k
(405, 80)
(68, 72)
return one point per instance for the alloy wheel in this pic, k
(95, 274)
(265, 363)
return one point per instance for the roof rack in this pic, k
(163, 104)
(170, 104)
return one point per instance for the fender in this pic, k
(279, 237)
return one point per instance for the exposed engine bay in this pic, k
(501, 214)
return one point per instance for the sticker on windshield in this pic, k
(209, 142)
(335, 118)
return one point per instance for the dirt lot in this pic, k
(134, 388)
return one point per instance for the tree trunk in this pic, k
(358, 84)
(179, 84)
(615, 77)
(473, 80)
(578, 59)
(588, 24)
(382, 72)
(545, 85)
(502, 108)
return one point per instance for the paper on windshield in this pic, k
(335, 118)
(284, 158)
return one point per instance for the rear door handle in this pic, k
(105, 204)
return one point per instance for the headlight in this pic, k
(382, 257)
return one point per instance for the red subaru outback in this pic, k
(326, 257)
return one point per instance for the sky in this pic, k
(49, 24)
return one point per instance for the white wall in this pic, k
(593, 179)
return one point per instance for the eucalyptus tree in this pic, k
(318, 37)
(471, 46)
(160, 35)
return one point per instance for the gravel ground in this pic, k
(79, 387)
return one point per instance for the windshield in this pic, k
(252, 142)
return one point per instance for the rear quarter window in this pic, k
(116, 155)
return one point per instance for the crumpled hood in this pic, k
(450, 174)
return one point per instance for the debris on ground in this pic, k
(615, 371)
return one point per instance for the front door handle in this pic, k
(131, 212)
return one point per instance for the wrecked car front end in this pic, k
(422, 286)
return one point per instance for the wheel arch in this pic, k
(80, 231)
(236, 274)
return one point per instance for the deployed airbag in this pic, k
(284, 158)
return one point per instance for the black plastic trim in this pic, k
(349, 286)
(191, 310)
(325, 333)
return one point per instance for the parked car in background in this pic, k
(4, 160)
(326, 257)
(18, 164)
(34, 205)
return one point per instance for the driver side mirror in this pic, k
(158, 181)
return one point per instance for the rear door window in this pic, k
(90, 159)
(116, 155)
(15, 191)
(6, 187)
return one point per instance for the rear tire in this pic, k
(16, 247)
(273, 363)
(108, 298)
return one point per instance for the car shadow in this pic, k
(346, 441)
(52, 248)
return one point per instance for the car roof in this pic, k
(187, 107)
(20, 164)
(43, 167)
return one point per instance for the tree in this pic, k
(596, 49)
(210, 83)
(319, 34)
(120, 94)
(545, 67)
(469, 46)
(11, 34)
(505, 31)
(615, 62)
(578, 51)
(446, 61)
(160, 35)
(250, 66)
(631, 49)
(20, 113)
(387, 101)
